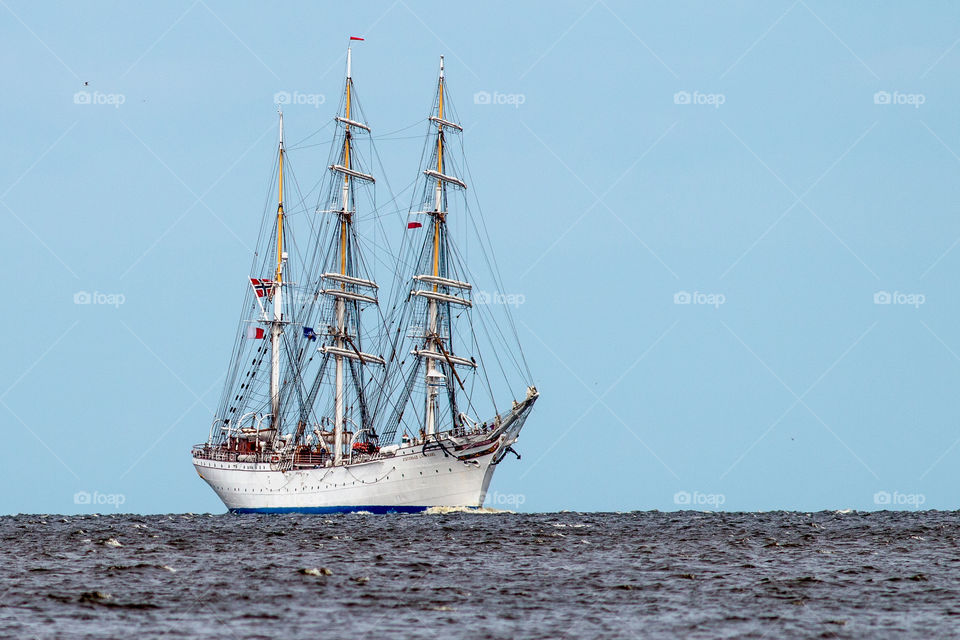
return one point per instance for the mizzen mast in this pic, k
(276, 329)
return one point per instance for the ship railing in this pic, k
(218, 454)
(310, 459)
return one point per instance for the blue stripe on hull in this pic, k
(367, 508)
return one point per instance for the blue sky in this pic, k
(782, 168)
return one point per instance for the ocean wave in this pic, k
(433, 511)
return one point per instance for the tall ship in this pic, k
(340, 397)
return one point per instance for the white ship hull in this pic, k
(451, 471)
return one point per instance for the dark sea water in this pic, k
(482, 575)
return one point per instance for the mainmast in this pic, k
(342, 269)
(276, 329)
(340, 302)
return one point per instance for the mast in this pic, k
(343, 277)
(276, 329)
(439, 309)
(340, 303)
(432, 377)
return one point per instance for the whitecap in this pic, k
(433, 511)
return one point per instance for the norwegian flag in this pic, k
(262, 287)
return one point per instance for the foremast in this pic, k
(434, 351)
(434, 378)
